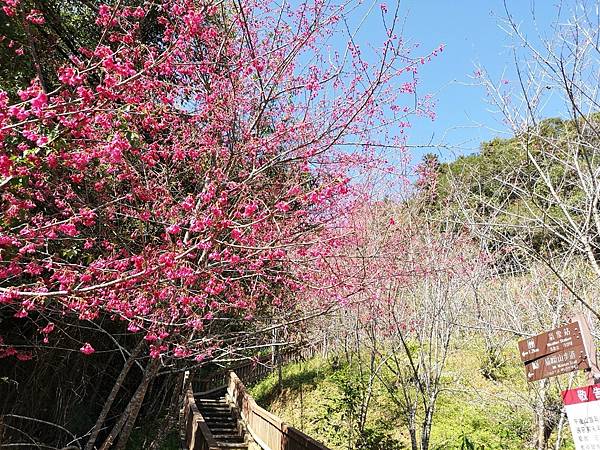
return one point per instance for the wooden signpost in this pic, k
(565, 349)
(557, 363)
(562, 338)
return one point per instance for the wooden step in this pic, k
(232, 445)
(219, 419)
(215, 412)
(212, 405)
(229, 437)
(225, 432)
(218, 415)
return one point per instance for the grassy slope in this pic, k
(488, 414)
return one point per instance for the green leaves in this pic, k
(468, 444)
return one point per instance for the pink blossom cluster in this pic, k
(173, 184)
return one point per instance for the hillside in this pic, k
(473, 412)
(528, 194)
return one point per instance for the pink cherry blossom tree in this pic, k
(403, 281)
(165, 184)
(177, 185)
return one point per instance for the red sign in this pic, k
(581, 395)
(583, 410)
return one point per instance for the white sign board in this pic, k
(583, 410)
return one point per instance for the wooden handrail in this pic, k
(268, 430)
(197, 435)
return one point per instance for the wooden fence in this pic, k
(269, 431)
(258, 368)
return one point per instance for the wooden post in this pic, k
(590, 348)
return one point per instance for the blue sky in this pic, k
(472, 34)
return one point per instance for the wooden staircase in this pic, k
(228, 418)
(222, 422)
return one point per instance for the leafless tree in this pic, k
(546, 205)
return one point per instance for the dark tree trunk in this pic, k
(123, 427)
(113, 394)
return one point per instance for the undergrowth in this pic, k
(475, 411)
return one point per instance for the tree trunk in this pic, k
(540, 410)
(413, 438)
(561, 424)
(129, 416)
(172, 415)
(426, 430)
(113, 394)
(412, 428)
(136, 403)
